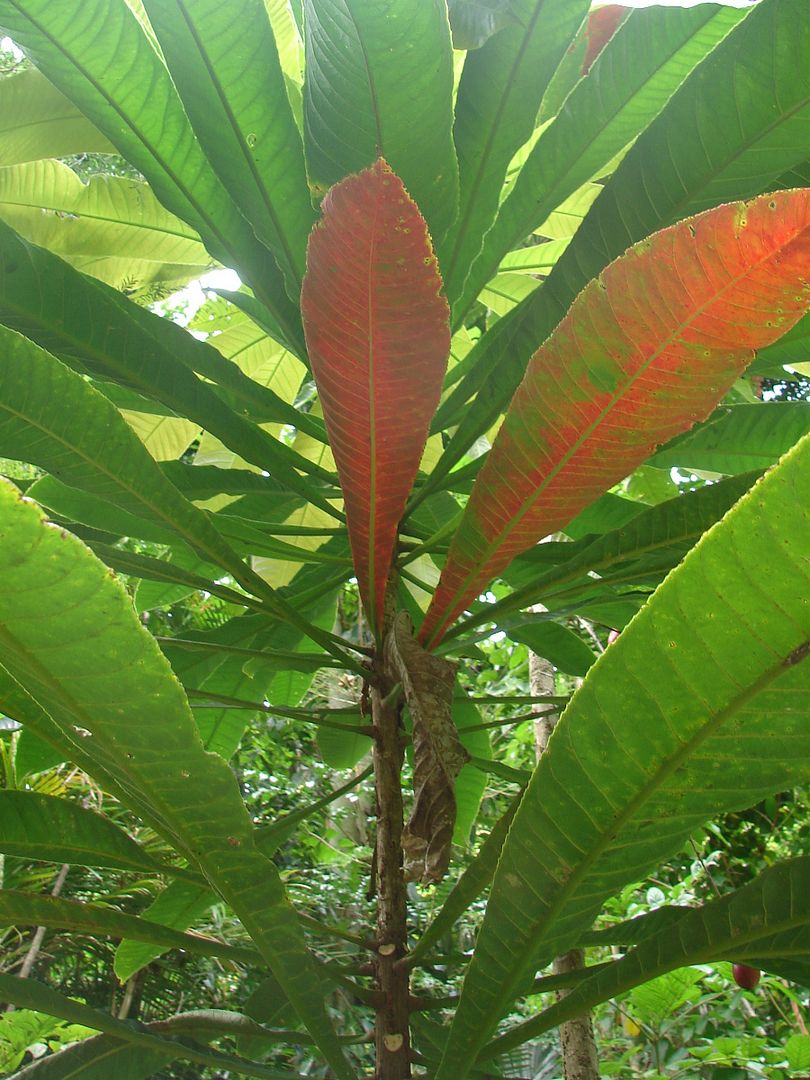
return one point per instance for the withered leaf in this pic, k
(427, 683)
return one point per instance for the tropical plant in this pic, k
(491, 296)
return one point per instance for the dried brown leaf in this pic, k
(427, 683)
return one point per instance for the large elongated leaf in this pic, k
(95, 1059)
(378, 335)
(69, 741)
(111, 227)
(749, 127)
(178, 907)
(739, 437)
(770, 917)
(791, 348)
(591, 407)
(94, 328)
(644, 63)
(34, 826)
(140, 724)
(225, 65)
(102, 60)
(36, 122)
(28, 909)
(149, 1045)
(52, 417)
(634, 766)
(499, 96)
(473, 22)
(644, 549)
(379, 83)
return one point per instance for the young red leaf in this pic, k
(378, 334)
(647, 349)
(602, 24)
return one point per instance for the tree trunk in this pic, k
(392, 980)
(577, 1042)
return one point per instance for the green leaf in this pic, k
(161, 594)
(797, 1049)
(224, 63)
(288, 42)
(379, 83)
(792, 348)
(68, 742)
(471, 783)
(630, 82)
(93, 328)
(339, 749)
(505, 291)
(557, 644)
(33, 755)
(52, 417)
(69, 504)
(92, 630)
(273, 376)
(644, 548)
(499, 96)
(36, 122)
(267, 1003)
(634, 767)
(738, 437)
(28, 909)
(105, 63)
(759, 920)
(95, 1059)
(751, 127)
(165, 437)
(111, 227)
(180, 905)
(34, 826)
(31, 994)
(590, 408)
(473, 22)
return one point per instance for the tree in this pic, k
(565, 267)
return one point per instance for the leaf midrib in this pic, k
(79, 214)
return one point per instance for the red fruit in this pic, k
(745, 977)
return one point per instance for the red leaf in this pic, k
(646, 350)
(602, 24)
(378, 335)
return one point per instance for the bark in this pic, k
(577, 1042)
(392, 1037)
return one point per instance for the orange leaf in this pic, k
(647, 349)
(378, 334)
